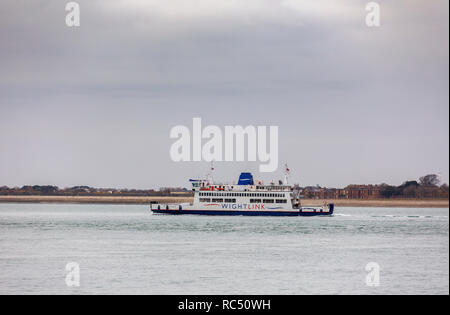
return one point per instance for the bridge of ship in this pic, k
(245, 183)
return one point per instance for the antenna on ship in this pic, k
(210, 173)
(286, 174)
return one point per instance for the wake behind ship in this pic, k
(243, 198)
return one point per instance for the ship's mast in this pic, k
(209, 176)
(286, 174)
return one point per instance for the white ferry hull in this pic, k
(277, 212)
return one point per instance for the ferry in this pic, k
(245, 198)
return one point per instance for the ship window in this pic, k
(205, 200)
(281, 201)
(230, 200)
(255, 200)
(268, 200)
(217, 200)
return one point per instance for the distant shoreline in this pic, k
(404, 203)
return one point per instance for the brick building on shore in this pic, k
(349, 192)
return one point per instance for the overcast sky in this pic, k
(94, 105)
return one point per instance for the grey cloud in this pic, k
(94, 105)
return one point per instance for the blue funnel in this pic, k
(245, 179)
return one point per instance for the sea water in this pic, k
(125, 249)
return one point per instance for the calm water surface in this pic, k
(125, 249)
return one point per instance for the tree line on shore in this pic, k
(427, 186)
(49, 190)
